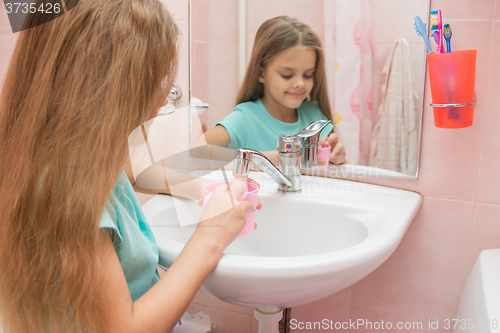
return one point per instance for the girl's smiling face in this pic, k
(288, 80)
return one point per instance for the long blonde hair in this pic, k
(76, 87)
(273, 37)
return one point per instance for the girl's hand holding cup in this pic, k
(225, 216)
(202, 194)
(337, 155)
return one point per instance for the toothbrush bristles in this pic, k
(447, 31)
(434, 22)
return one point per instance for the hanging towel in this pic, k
(394, 141)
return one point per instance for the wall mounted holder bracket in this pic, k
(457, 105)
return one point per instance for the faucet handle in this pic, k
(289, 160)
(310, 134)
(289, 144)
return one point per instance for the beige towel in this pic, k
(394, 140)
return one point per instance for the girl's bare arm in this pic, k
(217, 138)
(161, 307)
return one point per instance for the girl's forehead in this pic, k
(295, 57)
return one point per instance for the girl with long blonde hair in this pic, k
(283, 91)
(76, 254)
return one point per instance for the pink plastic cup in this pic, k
(324, 156)
(251, 195)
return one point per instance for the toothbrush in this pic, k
(453, 112)
(435, 36)
(436, 24)
(447, 36)
(421, 30)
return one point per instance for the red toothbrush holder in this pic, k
(453, 85)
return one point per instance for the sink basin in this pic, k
(308, 245)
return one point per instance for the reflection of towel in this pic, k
(394, 141)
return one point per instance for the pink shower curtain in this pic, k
(348, 51)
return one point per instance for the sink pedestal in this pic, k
(268, 321)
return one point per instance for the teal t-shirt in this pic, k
(132, 237)
(249, 125)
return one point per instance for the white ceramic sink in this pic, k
(308, 245)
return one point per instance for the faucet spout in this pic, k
(242, 166)
(309, 137)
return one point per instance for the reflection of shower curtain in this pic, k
(348, 63)
(394, 142)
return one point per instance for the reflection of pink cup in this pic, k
(251, 195)
(324, 156)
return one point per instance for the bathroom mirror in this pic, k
(362, 39)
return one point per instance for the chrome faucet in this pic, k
(289, 160)
(309, 137)
(291, 157)
(287, 176)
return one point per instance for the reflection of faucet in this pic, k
(287, 178)
(310, 137)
